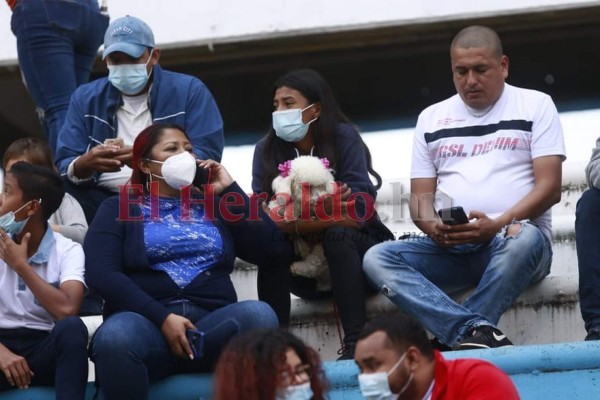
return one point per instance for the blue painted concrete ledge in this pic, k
(554, 371)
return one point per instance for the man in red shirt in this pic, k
(397, 361)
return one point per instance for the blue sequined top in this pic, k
(183, 248)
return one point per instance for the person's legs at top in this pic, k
(344, 249)
(93, 26)
(46, 32)
(587, 239)
(519, 257)
(415, 273)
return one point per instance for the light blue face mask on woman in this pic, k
(130, 79)
(8, 223)
(296, 392)
(288, 124)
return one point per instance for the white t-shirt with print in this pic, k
(485, 163)
(57, 260)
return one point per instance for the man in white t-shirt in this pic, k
(496, 150)
(42, 341)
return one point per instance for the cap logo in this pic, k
(121, 30)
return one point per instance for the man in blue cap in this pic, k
(105, 116)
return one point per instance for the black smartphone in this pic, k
(202, 176)
(196, 340)
(453, 216)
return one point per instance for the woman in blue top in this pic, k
(161, 259)
(308, 121)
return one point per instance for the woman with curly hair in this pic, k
(269, 365)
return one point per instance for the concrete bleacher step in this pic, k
(547, 312)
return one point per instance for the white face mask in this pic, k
(377, 387)
(178, 171)
(288, 124)
(297, 392)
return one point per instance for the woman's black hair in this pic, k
(316, 90)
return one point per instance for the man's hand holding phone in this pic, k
(456, 227)
(453, 216)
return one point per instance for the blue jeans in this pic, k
(57, 358)
(57, 43)
(587, 235)
(129, 351)
(416, 273)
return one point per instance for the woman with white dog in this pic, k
(307, 121)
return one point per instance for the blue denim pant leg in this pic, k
(221, 325)
(57, 43)
(587, 235)
(129, 351)
(416, 273)
(515, 262)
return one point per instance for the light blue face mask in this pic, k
(376, 386)
(297, 392)
(288, 124)
(8, 223)
(130, 79)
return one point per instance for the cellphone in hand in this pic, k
(118, 142)
(202, 176)
(453, 216)
(196, 340)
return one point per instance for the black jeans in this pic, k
(57, 358)
(587, 235)
(344, 249)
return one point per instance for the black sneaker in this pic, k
(594, 334)
(483, 337)
(437, 345)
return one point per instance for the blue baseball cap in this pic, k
(129, 35)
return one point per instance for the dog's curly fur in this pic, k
(311, 170)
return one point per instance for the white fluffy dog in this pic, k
(316, 173)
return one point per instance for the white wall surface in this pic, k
(177, 22)
(392, 150)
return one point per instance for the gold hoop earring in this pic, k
(148, 182)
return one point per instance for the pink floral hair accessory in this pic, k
(285, 168)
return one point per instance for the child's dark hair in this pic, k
(35, 149)
(38, 182)
(402, 331)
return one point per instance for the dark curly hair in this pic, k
(251, 365)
